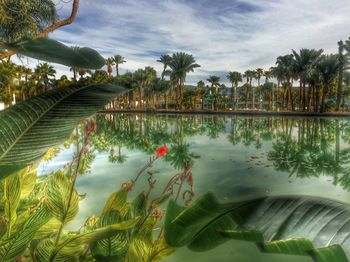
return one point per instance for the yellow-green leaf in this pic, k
(58, 198)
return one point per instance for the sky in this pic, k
(222, 35)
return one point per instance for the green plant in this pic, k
(30, 129)
(275, 224)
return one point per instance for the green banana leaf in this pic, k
(73, 245)
(29, 129)
(55, 52)
(24, 231)
(307, 226)
(57, 197)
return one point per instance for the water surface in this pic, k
(236, 158)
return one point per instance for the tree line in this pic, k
(307, 81)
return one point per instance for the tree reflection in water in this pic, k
(302, 147)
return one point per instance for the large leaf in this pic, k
(52, 51)
(62, 205)
(140, 248)
(11, 199)
(199, 224)
(73, 245)
(29, 129)
(296, 246)
(12, 247)
(117, 202)
(288, 225)
(111, 248)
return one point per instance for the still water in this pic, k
(236, 158)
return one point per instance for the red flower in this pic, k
(161, 151)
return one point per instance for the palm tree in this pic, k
(286, 65)
(268, 74)
(249, 74)
(8, 71)
(344, 60)
(340, 74)
(44, 72)
(110, 63)
(214, 85)
(161, 86)
(165, 60)
(258, 73)
(328, 66)
(181, 64)
(201, 92)
(143, 79)
(234, 78)
(118, 60)
(305, 61)
(23, 72)
(214, 82)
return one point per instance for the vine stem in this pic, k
(149, 164)
(73, 181)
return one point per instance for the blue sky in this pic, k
(223, 35)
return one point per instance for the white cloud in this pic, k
(222, 38)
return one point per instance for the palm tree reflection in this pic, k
(301, 147)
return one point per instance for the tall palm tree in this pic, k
(286, 65)
(8, 71)
(305, 61)
(162, 87)
(143, 79)
(24, 72)
(268, 75)
(165, 60)
(328, 66)
(110, 63)
(214, 86)
(181, 64)
(214, 82)
(44, 72)
(118, 60)
(234, 78)
(340, 74)
(249, 74)
(258, 73)
(201, 92)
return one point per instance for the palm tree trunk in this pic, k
(140, 96)
(246, 97)
(304, 95)
(322, 109)
(317, 102)
(300, 93)
(309, 99)
(236, 96)
(233, 93)
(253, 95)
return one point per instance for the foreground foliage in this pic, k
(30, 129)
(281, 225)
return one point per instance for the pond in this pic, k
(236, 158)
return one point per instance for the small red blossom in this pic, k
(161, 151)
(190, 180)
(90, 127)
(158, 213)
(128, 185)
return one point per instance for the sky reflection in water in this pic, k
(235, 157)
